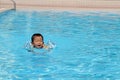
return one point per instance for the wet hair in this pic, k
(36, 34)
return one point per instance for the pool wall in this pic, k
(111, 4)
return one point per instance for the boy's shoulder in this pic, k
(46, 46)
(50, 45)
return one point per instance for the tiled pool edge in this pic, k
(4, 9)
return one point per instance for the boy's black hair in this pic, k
(36, 34)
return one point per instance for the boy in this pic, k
(37, 41)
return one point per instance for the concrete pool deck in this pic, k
(63, 4)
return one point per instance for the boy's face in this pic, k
(38, 42)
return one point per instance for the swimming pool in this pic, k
(87, 45)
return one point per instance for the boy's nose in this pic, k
(40, 42)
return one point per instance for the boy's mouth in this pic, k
(39, 46)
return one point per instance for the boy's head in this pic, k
(37, 40)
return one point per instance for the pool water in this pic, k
(87, 45)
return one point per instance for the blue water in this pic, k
(87, 45)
